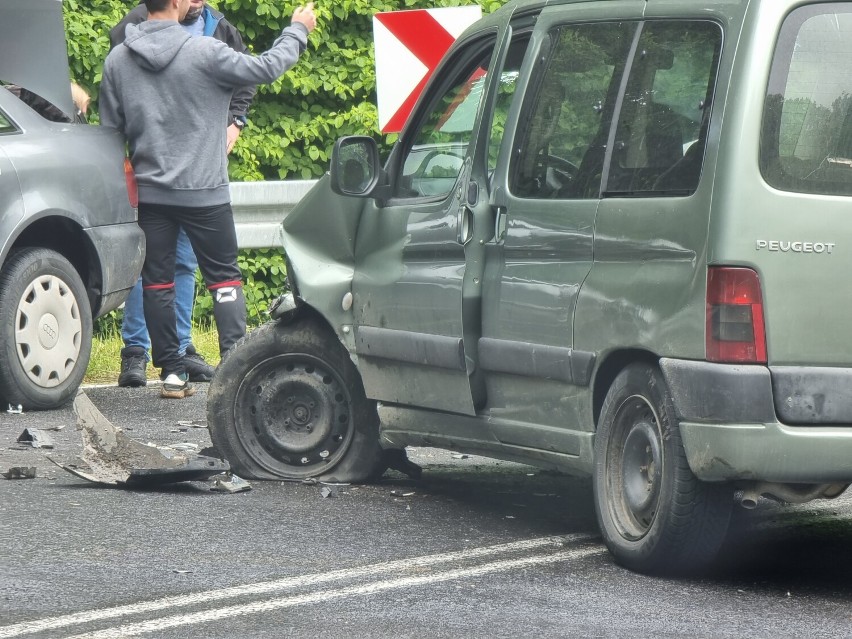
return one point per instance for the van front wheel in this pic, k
(654, 514)
(288, 403)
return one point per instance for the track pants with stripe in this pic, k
(214, 239)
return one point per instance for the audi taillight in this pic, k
(735, 327)
(130, 180)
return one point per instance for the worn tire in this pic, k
(45, 329)
(654, 514)
(288, 403)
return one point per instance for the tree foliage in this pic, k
(293, 122)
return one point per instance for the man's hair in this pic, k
(155, 6)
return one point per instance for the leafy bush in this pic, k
(264, 279)
(293, 122)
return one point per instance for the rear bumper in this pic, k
(119, 253)
(731, 429)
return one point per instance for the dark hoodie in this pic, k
(169, 94)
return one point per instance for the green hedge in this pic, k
(294, 122)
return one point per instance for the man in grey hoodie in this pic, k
(165, 90)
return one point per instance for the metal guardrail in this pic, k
(260, 207)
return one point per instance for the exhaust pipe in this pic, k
(790, 493)
(749, 499)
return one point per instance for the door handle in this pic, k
(465, 225)
(500, 223)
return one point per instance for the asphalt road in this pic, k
(475, 548)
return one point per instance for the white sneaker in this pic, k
(177, 387)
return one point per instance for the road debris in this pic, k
(20, 472)
(399, 493)
(188, 447)
(228, 483)
(460, 456)
(110, 457)
(328, 493)
(397, 459)
(17, 409)
(192, 424)
(36, 438)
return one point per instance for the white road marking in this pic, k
(216, 614)
(54, 623)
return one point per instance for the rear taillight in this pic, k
(130, 180)
(735, 330)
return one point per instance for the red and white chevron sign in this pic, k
(409, 45)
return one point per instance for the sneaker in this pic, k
(133, 363)
(177, 386)
(196, 366)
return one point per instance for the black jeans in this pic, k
(214, 239)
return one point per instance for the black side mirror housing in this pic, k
(355, 167)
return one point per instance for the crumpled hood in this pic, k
(155, 43)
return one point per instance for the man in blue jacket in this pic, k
(166, 91)
(200, 20)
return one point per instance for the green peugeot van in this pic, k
(614, 240)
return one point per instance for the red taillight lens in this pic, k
(130, 180)
(735, 330)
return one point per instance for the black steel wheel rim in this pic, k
(634, 468)
(293, 415)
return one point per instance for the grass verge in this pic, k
(105, 362)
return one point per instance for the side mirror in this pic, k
(355, 169)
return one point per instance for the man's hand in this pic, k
(232, 134)
(306, 16)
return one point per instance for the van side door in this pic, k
(545, 194)
(414, 302)
(646, 291)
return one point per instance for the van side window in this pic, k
(437, 152)
(561, 149)
(661, 133)
(806, 136)
(505, 93)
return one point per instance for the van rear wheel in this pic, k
(654, 514)
(288, 403)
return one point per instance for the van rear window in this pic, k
(806, 136)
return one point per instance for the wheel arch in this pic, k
(608, 370)
(60, 233)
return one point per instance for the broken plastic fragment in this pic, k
(229, 483)
(327, 492)
(17, 409)
(397, 459)
(35, 437)
(20, 472)
(110, 457)
(188, 423)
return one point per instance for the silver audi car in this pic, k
(70, 248)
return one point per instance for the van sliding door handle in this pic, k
(500, 222)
